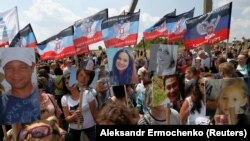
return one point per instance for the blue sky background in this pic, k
(48, 17)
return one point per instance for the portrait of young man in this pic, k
(19, 103)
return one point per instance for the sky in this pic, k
(49, 17)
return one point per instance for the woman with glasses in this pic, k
(71, 110)
(193, 107)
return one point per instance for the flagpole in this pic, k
(132, 6)
(208, 6)
(145, 51)
(227, 45)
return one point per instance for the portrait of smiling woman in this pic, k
(166, 60)
(123, 68)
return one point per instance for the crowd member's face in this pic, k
(122, 61)
(241, 60)
(18, 74)
(201, 84)
(197, 63)
(189, 75)
(70, 88)
(172, 89)
(83, 78)
(145, 77)
(232, 96)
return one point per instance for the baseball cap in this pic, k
(25, 55)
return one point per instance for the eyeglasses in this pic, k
(36, 132)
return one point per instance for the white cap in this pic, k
(25, 55)
(202, 52)
(198, 58)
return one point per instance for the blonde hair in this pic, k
(227, 68)
(235, 83)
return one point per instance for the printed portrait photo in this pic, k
(159, 96)
(121, 66)
(228, 98)
(19, 102)
(163, 59)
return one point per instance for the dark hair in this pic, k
(167, 77)
(41, 83)
(126, 77)
(119, 91)
(197, 95)
(91, 74)
(58, 71)
(43, 73)
(65, 89)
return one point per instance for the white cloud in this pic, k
(238, 28)
(147, 20)
(246, 12)
(48, 18)
(236, 3)
(126, 8)
(90, 11)
(113, 12)
(240, 17)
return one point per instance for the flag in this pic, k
(177, 27)
(9, 26)
(159, 29)
(24, 38)
(88, 30)
(120, 31)
(58, 46)
(209, 28)
(80, 51)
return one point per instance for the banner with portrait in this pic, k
(163, 59)
(121, 65)
(19, 101)
(227, 97)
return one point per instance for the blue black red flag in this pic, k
(58, 46)
(209, 28)
(24, 38)
(177, 27)
(88, 30)
(120, 31)
(159, 29)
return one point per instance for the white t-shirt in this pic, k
(88, 120)
(193, 116)
(141, 70)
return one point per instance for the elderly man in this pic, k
(20, 104)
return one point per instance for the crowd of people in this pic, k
(75, 94)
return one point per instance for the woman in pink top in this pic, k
(48, 104)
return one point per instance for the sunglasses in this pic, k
(36, 132)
